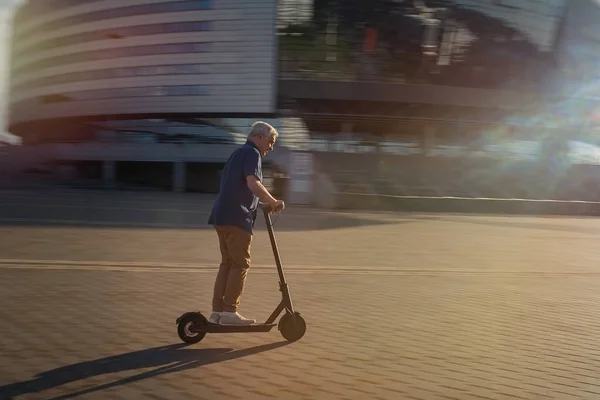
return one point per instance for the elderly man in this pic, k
(233, 216)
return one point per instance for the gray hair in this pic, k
(260, 128)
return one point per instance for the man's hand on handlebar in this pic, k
(274, 206)
(278, 206)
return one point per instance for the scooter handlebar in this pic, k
(266, 207)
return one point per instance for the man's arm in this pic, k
(252, 170)
(260, 190)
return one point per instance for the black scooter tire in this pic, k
(292, 327)
(184, 325)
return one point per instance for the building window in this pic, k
(124, 72)
(42, 7)
(118, 52)
(115, 33)
(174, 6)
(151, 91)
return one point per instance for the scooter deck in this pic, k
(217, 328)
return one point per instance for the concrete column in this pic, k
(179, 176)
(301, 183)
(109, 173)
(347, 127)
(429, 139)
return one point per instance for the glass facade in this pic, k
(480, 43)
(536, 21)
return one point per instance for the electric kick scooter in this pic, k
(193, 326)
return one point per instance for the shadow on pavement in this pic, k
(286, 221)
(160, 211)
(164, 360)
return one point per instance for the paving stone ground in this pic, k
(397, 306)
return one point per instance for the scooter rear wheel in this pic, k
(184, 328)
(292, 327)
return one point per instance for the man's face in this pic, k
(265, 144)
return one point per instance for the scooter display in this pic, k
(192, 327)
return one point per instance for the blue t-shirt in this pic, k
(235, 203)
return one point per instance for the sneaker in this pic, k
(234, 318)
(214, 317)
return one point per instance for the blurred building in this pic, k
(472, 94)
(473, 60)
(407, 96)
(122, 87)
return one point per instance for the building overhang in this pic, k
(298, 89)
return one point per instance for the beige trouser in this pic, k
(235, 261)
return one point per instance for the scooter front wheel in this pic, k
(292, 327)
(184, 328)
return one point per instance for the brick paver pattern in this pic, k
(397, 306)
